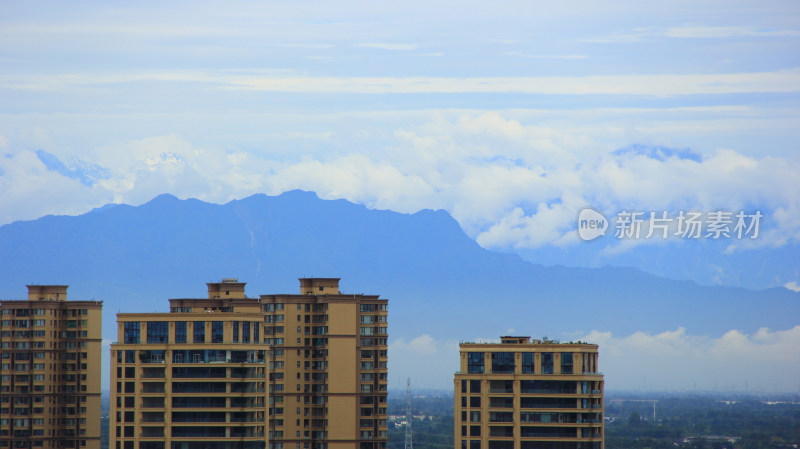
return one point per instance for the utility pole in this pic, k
(409, 417)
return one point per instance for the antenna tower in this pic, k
(409, 416)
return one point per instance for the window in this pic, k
(157, 331)
(502, 362)
(216, 331)
(475, 362)
(566, 363)
(199, 331)
(180, 332)
(131, 332)
(475, 386)
(547, 363)
(475, 401)
(236, 331)
(527, 362)
(130, 356)
(256, 337)
(245, 332)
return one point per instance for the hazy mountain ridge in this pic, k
(438, 280)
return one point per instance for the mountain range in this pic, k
(439, 281)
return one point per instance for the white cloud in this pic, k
(691, 32)
(429, 362)
(423, 345)
(511, 183)
(660, 85)
(705, 32)
(675, 360)
(793, 286)
(389, 46)
(544, 56)
(765, 360)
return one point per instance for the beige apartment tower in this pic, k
(232, 372)
(193, 378)
(50, 370)
(523, 394)
(329, 376)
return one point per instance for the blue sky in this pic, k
(509, 116)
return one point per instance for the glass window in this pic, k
(180, 332)
(157, 331)
(236, 330)
(547, 363)
(527, 362)
(131, 332)
(199, 331)
(475, 362)
(566, 363)
(245, 332)
(474, 386)
(502, 362)
(217, 331)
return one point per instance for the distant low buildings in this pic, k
(523, 394)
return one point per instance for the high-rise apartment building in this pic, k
(329, 375)
(312, 370)
(523, 394)
(193, 378)
(50, 370)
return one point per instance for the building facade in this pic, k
(280, 371)
(523, 394)
(50, 370)
(329, 376)
(194, 378)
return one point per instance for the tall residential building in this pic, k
(323, 352)
(329, 358)
(50, 370)
(523, 394)
(194, 378)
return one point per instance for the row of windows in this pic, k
(41, 312)
(41, 366)
(476, 444)
(527, 402)
(24, 323)
(534, 386)
(366, 308)
(505, 362)
(158, 331)
(538, 417)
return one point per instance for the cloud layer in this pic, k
(510, 183)
(765, 361)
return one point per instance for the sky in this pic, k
(511, 116)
